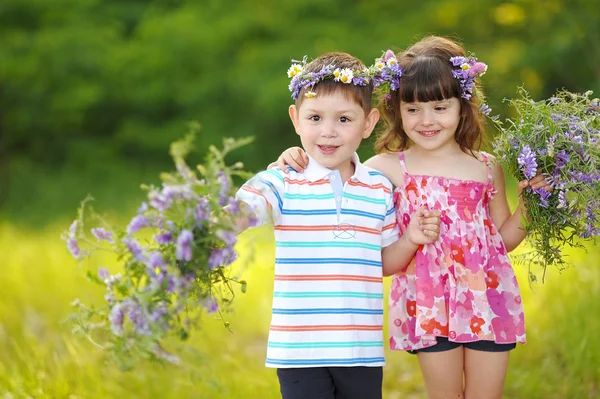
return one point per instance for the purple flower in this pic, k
(544, 196)
(527, 162)
(159, 201)
(115, 318)
(184, 246)
(155, 260)
(202, 210)
(101, 234)
(228, 237)
(223, 181)
(485, 109)
(73, 248)
(137, 316)
(211, 305)
(216, 258)
(134, 248)
(163, 238)
(103, 273)
(138, 222)
(73, 229)
(143, 208)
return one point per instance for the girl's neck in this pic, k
(438, 153)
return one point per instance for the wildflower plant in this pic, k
(172, 259)
(558, 137)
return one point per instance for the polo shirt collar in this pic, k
(315, 171)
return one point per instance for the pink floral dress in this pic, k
(462, 286)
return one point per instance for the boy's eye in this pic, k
(344, 119)
(315, 118)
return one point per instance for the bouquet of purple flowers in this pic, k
(561, 138)
(172, 258)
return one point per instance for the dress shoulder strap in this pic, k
(488, 164)
(402, 163)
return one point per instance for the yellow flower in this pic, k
(294, 70)
(465, 67)
(346, 75)
(310, 94)
(336, 74)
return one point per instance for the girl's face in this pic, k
(431, 125)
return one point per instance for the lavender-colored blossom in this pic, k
(527, 162)
(184, 246)
(485, 109)
(216, 258)
(134, 248)
(202, 210)
(116, 318)
(103, 273)
(138, 222)
(101, 234)
(159, 201)
(544, 197)
(562, 199)
(210, 304)
(554, 100)
(228, 237)
(143, 208)
(137, 316)
(73, 248)
(73, 228)
(223, 181)
(155, 260)
(163, 238)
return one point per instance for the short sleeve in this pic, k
(390, 233)
(264, 195)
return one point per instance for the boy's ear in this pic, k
(371, 121)
(293, 112)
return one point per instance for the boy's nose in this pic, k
(328, 131)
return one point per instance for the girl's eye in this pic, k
(440, 108)
(411, 110)
(344, 119)
(315, 118)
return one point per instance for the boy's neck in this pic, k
(346, 169)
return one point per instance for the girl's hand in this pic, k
(294, 157)
(424, 227)
(537, 182)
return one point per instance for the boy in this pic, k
(335, 230)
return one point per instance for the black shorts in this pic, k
(331, 382)
(443, 344)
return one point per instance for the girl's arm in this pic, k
(509, 224)
(424, 228)
(294, 156)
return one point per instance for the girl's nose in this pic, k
(426, 118)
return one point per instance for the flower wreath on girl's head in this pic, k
(466, 70)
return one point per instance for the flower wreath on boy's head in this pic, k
(385, 71)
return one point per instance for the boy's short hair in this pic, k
(362, 95)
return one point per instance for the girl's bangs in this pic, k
(427, 80)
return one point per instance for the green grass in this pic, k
(40, 358)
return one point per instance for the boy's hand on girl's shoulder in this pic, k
(424, 226)
(295, 157)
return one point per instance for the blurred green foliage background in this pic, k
(93, 91)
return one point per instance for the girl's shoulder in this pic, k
(389, 165)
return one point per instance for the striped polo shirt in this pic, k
(328, 294)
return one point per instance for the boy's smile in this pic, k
(331, 127)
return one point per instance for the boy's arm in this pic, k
(260, 200)
(424, 228)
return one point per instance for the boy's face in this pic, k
(331, 127)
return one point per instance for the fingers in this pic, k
(540, 182)
(281, 164)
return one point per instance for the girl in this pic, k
(457, 305)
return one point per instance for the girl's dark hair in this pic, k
(362, 95)
(427, 76)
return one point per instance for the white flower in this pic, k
(346, 76)
(310, 94)
(379, 64)
(336, 74)
(465, 66)
(391, 62)
(294, 70)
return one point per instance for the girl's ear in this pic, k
(293, 112)
(371, 121)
